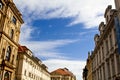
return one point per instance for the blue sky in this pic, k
(58, 29)
(61, 32)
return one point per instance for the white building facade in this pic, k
(30, 67)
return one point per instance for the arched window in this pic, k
(6, 76)
(11, 33)
(8, 53)
(1, 5)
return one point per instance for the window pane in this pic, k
(14, 20)
(1, 5)
(8, 53)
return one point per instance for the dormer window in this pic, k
(14, 20)
(1, 5)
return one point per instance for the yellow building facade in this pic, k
(10, 24)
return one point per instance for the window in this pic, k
(13, 59)
(14, 20)
(6, 76)
(3, 53)
(29, 74)
(108, 69)
(107, 46)
(25, 73)
(113, 66)
(17, 57)
(8, 53)
(1, 5)
(11, 33)
(111, 43)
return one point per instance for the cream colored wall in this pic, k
(30, 66)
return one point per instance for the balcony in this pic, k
(6, 63)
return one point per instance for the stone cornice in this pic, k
(106, 31)
(16, 12)
(9, 38)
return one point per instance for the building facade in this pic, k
(62, 74)
(106, 54)
(10, 24)
(30, 67)
(87, 71)
(117, 4)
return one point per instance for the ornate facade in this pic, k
(106, 55)
(10, 24)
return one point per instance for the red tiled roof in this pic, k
(63, 71)
(22, 48)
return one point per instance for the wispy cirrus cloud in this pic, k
(48, 49)
(88, 12)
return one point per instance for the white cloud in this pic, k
(25, 32)
(48, 49)
(83, 11)
(74, 66)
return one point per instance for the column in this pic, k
(116, 63)
(106, 71)
(111, 67)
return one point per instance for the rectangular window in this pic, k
(107, 46)
(108, 69)
(14, 20)
(103, 53)
(25, 73)
(29, 74)
(111, 43)
(113, 67)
